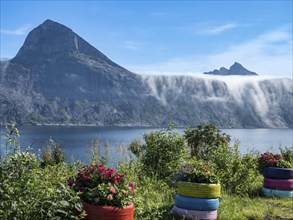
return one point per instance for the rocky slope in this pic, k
(59, 78)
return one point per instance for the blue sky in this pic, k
(166, 37)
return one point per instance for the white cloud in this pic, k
(19, 31)
(213, 30)
(269, 53)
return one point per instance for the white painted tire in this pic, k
(198, 215)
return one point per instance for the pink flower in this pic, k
(112, 189)
(110, 197)
(101, 168)
(124, 192)
(110, 172)
(131, 185)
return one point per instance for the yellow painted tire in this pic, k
(199, 190)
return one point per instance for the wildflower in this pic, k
(110, 197)
(124, 192)
(112, 189)
(101, 168)
(110, 172)
(131, 185)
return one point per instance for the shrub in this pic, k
(52, 154)
(204, 139)
(28, 191)
(287, 154)
(161, 153)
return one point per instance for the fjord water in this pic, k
(77, 141)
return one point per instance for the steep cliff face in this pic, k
(59, 78)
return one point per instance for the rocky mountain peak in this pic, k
(235, 69)
(53, 40)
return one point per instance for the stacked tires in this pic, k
(278, 182)
(197, 200)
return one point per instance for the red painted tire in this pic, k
(192, 214)
(278, 173)
(282, 184)
(95, 212)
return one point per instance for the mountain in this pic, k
(235, 69)
(59, 78)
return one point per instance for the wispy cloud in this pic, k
(211, 29)
(19, 31)
(218, 29)
(132, 45)
(269, 53)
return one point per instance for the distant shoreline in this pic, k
(136, 126)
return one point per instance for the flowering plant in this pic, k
(100, 185)
(197, 171)
(271, 160)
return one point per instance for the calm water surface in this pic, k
(77, 141)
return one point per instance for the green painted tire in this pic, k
(199, 190)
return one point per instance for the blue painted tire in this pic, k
(278, 173)
(193, 214)
(199, 204)
(277, 193)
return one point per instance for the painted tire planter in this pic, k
(282, 184)
(199, 190)
(277, 193)
(278, 173)
(199, 204)
(95, 212)
(193, 214)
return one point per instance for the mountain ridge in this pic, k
(59, 78)
(235, 69)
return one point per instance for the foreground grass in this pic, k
(236, 207)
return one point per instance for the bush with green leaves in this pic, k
(52, 154)
(161, 153)
(204, 139)
(28, 191)
(287, 154)
(236, 172)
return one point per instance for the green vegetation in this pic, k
(33, 187)
(30, 191)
